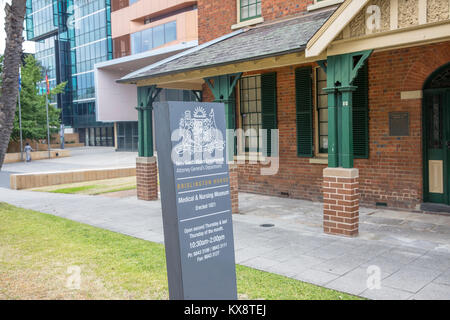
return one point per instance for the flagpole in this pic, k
(20, 114)
(20, 129)
(47, 84)
(48, 127)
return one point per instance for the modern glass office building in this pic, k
(71, 36)
(144, 33)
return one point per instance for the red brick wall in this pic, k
(215, 17)
(234, 188)
(147, 181)
(280, 8)
(340, 205)
(393, 172)
(296, 176)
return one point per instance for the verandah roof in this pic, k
(269, 40)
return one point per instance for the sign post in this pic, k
(48, 127)
(196, 203)
(62, 136)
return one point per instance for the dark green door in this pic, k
(437, 146)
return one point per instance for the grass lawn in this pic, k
(93, 187)
(37, 249)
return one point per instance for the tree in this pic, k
(15, 14)
(34, 115)
(1, 70)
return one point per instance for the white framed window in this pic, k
(249, 12)
(318, 4)
(249, 9)
(249, 114)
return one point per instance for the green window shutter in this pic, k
(361, 114)
(304, 110)
(269, 106)
(232, 118)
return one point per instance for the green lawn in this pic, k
(93, 187)
(37, 249)
(74, 189)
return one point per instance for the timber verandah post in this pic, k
(222, 87)
(146, 167)
(341, 179)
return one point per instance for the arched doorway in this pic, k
(436, 136)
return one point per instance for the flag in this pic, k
(48, 84)
(20, 79)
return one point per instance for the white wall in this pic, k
(115, 102)
(28, 46)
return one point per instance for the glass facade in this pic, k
(153, 37)
(127, 136)
(91, 43)
(40, 19)
(71, 36)
(46, 55)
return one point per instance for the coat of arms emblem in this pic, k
(199, 133)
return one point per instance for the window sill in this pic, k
(323, 4)
(247, 23)
(251, 156)
(318, 160)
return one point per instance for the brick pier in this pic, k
(147, 178)
(341, 201)
(234, 188)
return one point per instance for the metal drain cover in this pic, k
(267, 225)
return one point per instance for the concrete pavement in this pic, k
(81, 158)
(409, 251)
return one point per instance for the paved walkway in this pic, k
(412, 251)
(81, 158)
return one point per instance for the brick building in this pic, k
(358, 91)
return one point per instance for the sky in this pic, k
(27, 46)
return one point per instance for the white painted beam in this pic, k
(423, 11)
(394, 14)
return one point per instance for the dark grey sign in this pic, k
(196, 202)
(399, 124)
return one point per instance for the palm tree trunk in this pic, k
(15, 14)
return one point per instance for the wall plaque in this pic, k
(398, 124)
